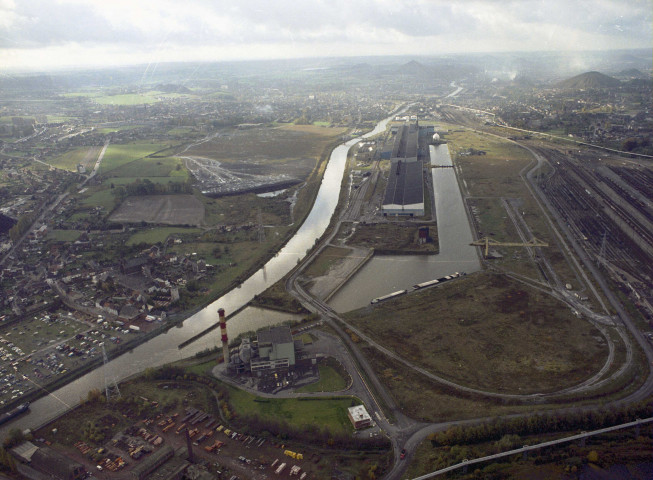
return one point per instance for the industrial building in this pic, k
(44, 461)
(276, 349)
(359, 417)
(404, 193)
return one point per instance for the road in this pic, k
(529, 448)
(406, 433)
(52, 206)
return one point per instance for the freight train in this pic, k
(418, 287)
(11, 414)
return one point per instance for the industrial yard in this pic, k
(149, 422)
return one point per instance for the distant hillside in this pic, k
(414, 68)
(632, 73)
(588, 80)
(172, 88)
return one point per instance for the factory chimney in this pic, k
(223, 333)
(189, 447)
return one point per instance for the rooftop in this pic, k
(275, 335)
(405, 183)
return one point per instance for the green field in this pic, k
(143, 98)
(117, 129)
(330, 381)
(82, 94)
(118, 155)
(64, 235)
(327, 413)
(180, 131)
(87, 156)
(151, 167)
(159, 235)
(127, 180)
(59, 119)
(100, 198)
(126, 99)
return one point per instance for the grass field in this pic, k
(152, 167)
(118, 155)
(103, 98)
(59, 119)
(289, 144)
(64, 235)
(183, 209)
(331, 379)
(489, 332)
(126, 99)
(126, 180)
(100, 198)
(87, 156)
(159, 235)
(117, 129)
(495, 174)
(328, 413)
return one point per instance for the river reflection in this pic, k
(164, 348)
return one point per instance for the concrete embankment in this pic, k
(353, 268)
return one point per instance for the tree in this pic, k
(13, 438)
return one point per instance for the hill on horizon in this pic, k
(588, 80)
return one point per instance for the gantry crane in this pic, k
(487, 241)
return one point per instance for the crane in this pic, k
(487, 241)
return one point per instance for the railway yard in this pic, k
(608, 208)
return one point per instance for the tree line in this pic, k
(543, 423)
(147, 187)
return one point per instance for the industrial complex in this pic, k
(272, 360)
(404, 193)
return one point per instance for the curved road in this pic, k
(406, 433)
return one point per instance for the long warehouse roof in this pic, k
(405, 184)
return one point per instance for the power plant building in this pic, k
(276, 349)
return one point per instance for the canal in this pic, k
(384, 274)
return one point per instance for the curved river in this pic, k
(164, 348)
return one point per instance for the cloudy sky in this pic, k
(60, 33)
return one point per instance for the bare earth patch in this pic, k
(168, 209)
(340, 268)
(489, 332)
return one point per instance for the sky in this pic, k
(47, 34)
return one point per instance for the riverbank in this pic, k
(308, 194)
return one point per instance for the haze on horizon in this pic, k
(50, 34)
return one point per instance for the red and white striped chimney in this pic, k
(223, 333)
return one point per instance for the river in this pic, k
(384, 274)
(164, 348)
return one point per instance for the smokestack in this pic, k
(223, 333)
(189, 446)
